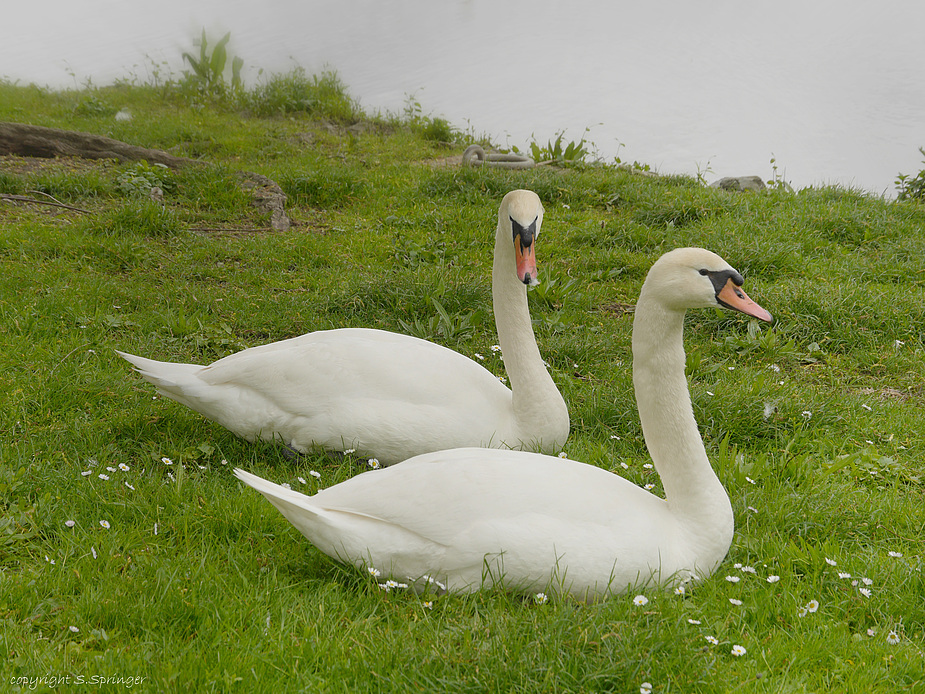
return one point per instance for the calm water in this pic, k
(835, 90)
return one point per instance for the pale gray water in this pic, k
(835, 90)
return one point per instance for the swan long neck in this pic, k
(692, 489)
(536, 400)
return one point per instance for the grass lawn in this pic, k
(129, 554)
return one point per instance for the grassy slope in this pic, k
(815, 426)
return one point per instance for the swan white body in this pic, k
(472, 518)
(384, 394)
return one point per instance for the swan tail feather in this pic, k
(171, 379)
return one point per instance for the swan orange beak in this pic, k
(733, 297)
(526, 262)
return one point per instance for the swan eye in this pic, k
(704, 272)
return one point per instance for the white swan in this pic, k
(389, 395)
(470, 518)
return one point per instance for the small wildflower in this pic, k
(831, 562)
(349, 451)
(502, 379)
(712, 639)
(737, 565)
(895, 555)
(541, 598)
(103, 476)
(865, 592)
(750, 480)
(385, 587)
(93, 552)
(479, 357)
(640, 600)
(807, 414)
(773, 578)
(69, 523)
(812, 606)
(733, 579)
(315, 474)
(615, 437)
(166, 461)
(649, 486)
(495, 348)
(392, 583)
(124, 467)
(680, 589)
(774, 367)
(170, 475)
(224, 462)
(645, 688)
(695, 622)
(429, 604)
(129, 486)
(201, 467)
(844, 574)
(871, 632)
(373, 463)
(155, 528)
(374, 572)
(738, 650)
(897, 344)
(867, 582)
(749, 570)
(111, 469)
(647, 466)
(50, 561)
(866, 407)
(104, 524)
(301, 480)
(624, 466)
(74, 629)
(735, 602)
(86, 473)
(892, 638)
(752, 509)
(802, 612)
(563, 454)
(709, 392)
(286, 485)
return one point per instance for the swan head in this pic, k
(697, 278)
(519, 219)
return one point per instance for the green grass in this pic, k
(814, 425)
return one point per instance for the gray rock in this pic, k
(740, 183)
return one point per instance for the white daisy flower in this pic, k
(86, 473)
(812, 606)
(831, 562)
(735, 602)
(111, 469)
(74, 629)
(541, 598)
(373, 463)
(844, 574)
(124, 467)
(640, 600)
(69, 523)
(865, 592)
(166, 461)
(429, 604)
(892, 638)
(104, 524)
(695, 622)
(103, 476)
(301, 480)
(733, 579)
(738, 650)
(712, 639)
(155, 528)
(773, 578)
(315, 474)
(895, 555)
(129, 486)
(495, 348)
(479, 357)
(645, 688)
(93, 552)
